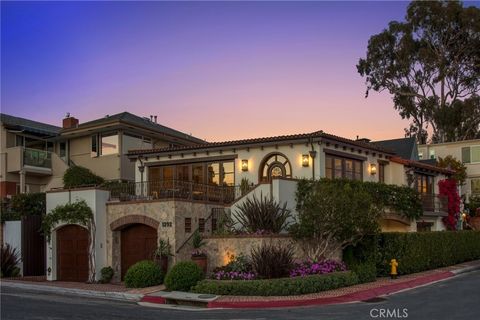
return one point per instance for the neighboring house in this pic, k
(181, 189)
(467, 152)
(35, 155)
(28, 162)
(101, 145)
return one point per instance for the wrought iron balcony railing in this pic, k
(37, 158)
(434, 203)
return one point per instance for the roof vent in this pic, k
(365, 140)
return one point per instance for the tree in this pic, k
(452, 163)
(78, 176)
(332, 216)
(431, 65)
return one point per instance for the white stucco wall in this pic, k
(96, 200)
(12, 234)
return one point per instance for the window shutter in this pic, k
(466, 154)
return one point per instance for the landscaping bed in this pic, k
(279, 286)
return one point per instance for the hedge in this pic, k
(420, 251)
(144, 274)
(415, 251)
(278, 287)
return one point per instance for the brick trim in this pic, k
(122, 222)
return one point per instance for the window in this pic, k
(381, 172)
(431, 154)
(201, 225)
(19, 141)
(63, 150)
(275, 165)
(213, 174)
(423, 226)
(338, 167)
(94, 150)
(188, 225)
(424, 183)
(420, 155)
(228, 172)
(109, 144)
(471, 154)
(475, 186)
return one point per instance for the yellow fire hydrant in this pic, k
(393, 271)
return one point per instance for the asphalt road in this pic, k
(456, 298)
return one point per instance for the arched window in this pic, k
(275, 165)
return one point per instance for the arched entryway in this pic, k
(138, 242)
(274, 165)
(72, 253)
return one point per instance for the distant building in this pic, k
(466, 151)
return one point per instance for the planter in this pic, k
(201, 261)
(475, 223)
(163, 263)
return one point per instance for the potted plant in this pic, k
(162, 253)
(198, 256)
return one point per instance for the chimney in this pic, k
(155, 117)
(70, 122)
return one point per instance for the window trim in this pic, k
(344, 167)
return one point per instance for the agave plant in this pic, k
(263, 214)
(272, 261)
(9, 258)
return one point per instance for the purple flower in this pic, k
(302, 269)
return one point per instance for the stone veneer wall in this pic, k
(167, 216)
(220, 248)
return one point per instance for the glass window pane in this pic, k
(475, 154)
(213, 174)
(183, 172)
(154, 173)
(338, 164)
(167, 173)
(109, 144)
(197, 173)
(227, 167)
(475, 186)
(229, 179)
(94, 150)
(466, 154)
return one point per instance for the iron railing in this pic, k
(434, 203)
(37, 158)
(173, 189)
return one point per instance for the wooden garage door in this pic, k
(138, 242)
(72, 253)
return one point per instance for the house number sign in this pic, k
(166, 224)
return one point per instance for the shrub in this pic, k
(278, 287)
(77, 176)
(419, 251)
(366, 272)
(183, 276)
(9, 259)
(314, 267)
(262, 214)
(272, 261)
(143, 274)
(106, 274)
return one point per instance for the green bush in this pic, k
(415, 251)
(77, 176)
(278, 287)
(143, 274)
(9, 259)
(420, 251)
(183, 276)
(106, 274)
(366, 272)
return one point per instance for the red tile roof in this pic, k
(233, 143)
(421, 165)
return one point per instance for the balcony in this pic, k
(434, 204)
(173, 190)
(29, 160)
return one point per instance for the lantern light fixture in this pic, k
(305, 160)
(244, 165)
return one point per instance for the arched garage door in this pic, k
(139, 242)
(72, 253)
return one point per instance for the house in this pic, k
(467, 152)
(181, 189)
(28, 161)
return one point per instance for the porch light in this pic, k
(305, 160)
(244, 165)
(373, 169)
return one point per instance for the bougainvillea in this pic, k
(448, 188)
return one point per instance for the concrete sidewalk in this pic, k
(96, 290)
(361, 292)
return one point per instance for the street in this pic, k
(456, 298)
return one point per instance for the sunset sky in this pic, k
(217, 70)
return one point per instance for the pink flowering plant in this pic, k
(316, 267)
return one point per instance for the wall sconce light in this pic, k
(373, 169)
(244, 165)
(305, 160)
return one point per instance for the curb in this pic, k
(466, 269)
(123, 296)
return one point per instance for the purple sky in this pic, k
(217, 70)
